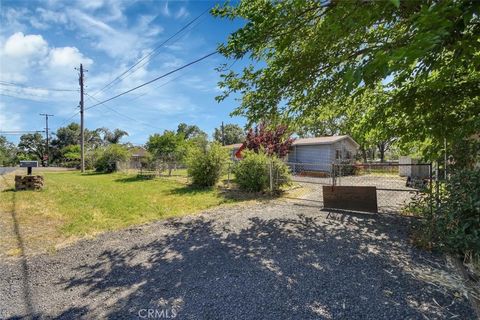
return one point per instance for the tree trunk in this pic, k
(364, 153)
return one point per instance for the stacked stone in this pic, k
(29, 183)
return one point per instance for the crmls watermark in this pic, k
(157, 313)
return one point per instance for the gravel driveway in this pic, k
(274, 260)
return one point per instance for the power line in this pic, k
(155, 79)
(150, 54)
(5, 83)
(21, 98)
(70, 118)
(121, 114)
(20, 132)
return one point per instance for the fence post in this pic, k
(333, 174)
(437, 189)
(228, 175)
(271, 177)
(340, 174)
(430, 187)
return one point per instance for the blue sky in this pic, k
(41, 42)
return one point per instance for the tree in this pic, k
(8, 152)
(70, 135)
(114, 137)
(33, 146)
(307, 53)
(275, 141)
(191, 131)
(71, 155)
(108, 158)
(167, 146)
(232, 133)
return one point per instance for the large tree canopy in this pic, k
(310, 57)
(232, 133)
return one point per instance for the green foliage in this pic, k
(108, 157)
(455, 225)
(458, 219)
(168, 146)
(206, 166)
(8, 152)
(252, 173)
(112, 137)
(33, 146)
(71, 155)
(233, 133)
(191, 131)
(312, 57)
(465, 154)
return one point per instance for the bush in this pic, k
(458, 219)
(107, 159)
(253, 172)
(454, 225)
(71, 156)
(206, 165)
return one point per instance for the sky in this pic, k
(42, 42)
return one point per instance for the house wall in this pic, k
(347, 150)
(316, 157)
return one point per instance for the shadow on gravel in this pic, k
(302, 268)
(27, 303)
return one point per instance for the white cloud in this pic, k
(182, 12)
(19, 53)
(50, 16)
(165, 10)
(29, 59)
(67, 57)
(8, 120)
(21, 46)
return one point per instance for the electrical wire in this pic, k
(150, 54)
(5, 83)
(155, 79)
(123, 115)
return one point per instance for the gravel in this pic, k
(272, 260)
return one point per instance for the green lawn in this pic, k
(75, 205)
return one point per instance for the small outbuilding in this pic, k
(317, 153)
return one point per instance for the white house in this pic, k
(319, 153)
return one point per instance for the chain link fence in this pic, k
(396, 184)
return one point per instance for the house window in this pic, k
(349, 155)
(338, 154)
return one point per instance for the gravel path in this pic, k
(274, 260)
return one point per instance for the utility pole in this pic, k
(46, 131)
(223, 135)
(82, 137)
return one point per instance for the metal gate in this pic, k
(396, 184)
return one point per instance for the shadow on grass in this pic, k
(135, 179)
(94, 173)
(230, 194)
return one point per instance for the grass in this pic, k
(74, 205)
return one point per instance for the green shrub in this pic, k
(458, 219)
(206, 165)
(252, 173)
(71, 156)
(107, 159)
(453, 225)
